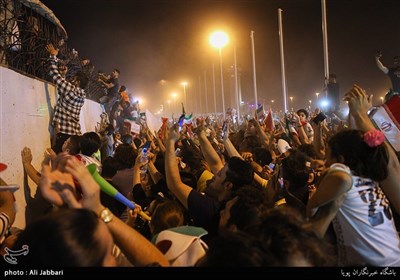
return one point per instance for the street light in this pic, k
(169, 105)
(317, 94)
(184, 84)
(174, 105)
(310, 103)
(272, 103)
(291, 102)
(219, 39)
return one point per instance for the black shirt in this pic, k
(205, 211)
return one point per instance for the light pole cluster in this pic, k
(184, 84)
(291, 102)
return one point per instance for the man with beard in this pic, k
(205, 208)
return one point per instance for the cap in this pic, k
(283, 146)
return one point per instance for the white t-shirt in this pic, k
(364, 225)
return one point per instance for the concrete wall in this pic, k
(26, 108)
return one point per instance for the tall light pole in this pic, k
(291, 102)
(254, 69)
(184, 84)
(325, 43)
(215, 98)
(236, 85)
(310, 104)
(169, 105)
(219, 39)
(174, 105)
(317, 94)
(205, 90)
(283, 73)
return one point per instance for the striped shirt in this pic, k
(4, 225)
(69, 103)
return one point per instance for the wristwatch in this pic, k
(106, 215)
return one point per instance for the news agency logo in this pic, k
(386, 126)
(10, 255)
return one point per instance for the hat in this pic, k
(283, 146)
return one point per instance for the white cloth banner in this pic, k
(153, 123)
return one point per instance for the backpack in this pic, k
(182, 246)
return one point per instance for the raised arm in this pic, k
(263, 136)
(359, 104)
(332, 186)
(64, 87)
(209, 153)
(232, 152)
(135, 246)
(380, 65)
(174, 181)
(319, 142)
(31, 171)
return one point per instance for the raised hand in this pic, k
(51, 50)
(174, 133)
(247, 156)
(26, 155)
(53, 182)
(90, 189)
(358, 100)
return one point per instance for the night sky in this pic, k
(151, 41)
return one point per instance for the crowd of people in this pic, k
(293, 189)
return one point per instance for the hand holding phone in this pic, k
(271, 165)
(224, 128)
(319, 118)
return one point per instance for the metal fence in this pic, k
(26, 27)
